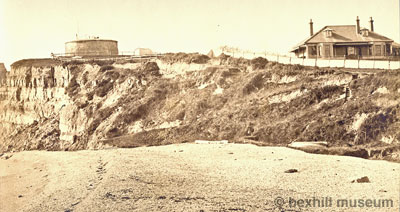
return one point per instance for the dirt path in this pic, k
(190, 177)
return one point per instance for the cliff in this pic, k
(48, 104)
(3, 73)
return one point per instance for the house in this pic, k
(346, 41)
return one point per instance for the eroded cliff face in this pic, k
(75, 105)
(31, 96)
(179, 98)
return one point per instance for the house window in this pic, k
(364, 32)
(378, 50)
(328, 33)
(313, 50)
(388, 49)
(351, 50)
(327, 51)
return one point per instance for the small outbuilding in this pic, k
(143, 52)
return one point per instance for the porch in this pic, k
(353, 51)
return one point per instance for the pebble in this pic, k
(291, 171)
(364, 179)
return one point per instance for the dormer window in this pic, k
(364, 32)
(328, 32)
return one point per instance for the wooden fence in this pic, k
(332, 63)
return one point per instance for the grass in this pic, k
(106, 68)
(185, 58)
(40, 62)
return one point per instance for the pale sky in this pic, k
(35, 28)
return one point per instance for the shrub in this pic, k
(104, 87)
(100, 116)
(258, 63)
(72, 62)
(73, 87)
(255, 83)
(90, 96)
(200, 59)
(106, 68)
(185, 58)
(151, 67)
(44, 62)
(298, 67)
(112, 74)
(102, 62)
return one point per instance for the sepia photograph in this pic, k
(203, 106)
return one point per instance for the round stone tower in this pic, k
(91, 47)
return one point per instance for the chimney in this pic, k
(311, 28)
(371, 21)
(358, 25)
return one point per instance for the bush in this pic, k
(44, 62)
(112, 74)
(102, 62)
(90, 96)
(101, 115)
(255, 83)
(185, 58)
(316, 95)
(200, 59)
(298, 67)
(73, 87)
(152, 68)
(258, 63)
(72, 63)
(104, 87)
(106, 68)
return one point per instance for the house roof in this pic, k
(343, 34)
(301, 44)
(394, 44)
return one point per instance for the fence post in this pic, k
(303, 61)
(389, 64)
(344, 61)
(316, 58)
(290, 60)
(330, 62)
(358, 65)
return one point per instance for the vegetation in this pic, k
(185, 58)
(239, 100)
(41, 62)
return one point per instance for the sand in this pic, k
(192, 177)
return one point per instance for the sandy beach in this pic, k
(193, 177)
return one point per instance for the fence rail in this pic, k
(87, 58)
(284, 59)
(332, 63)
